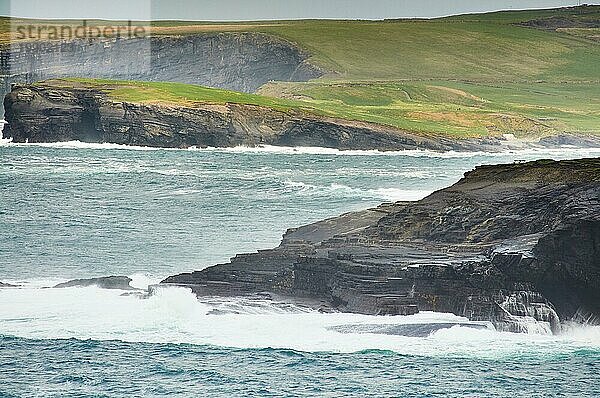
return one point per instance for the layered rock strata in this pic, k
(517, 245)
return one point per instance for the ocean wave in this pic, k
(175, 315)
(143, 281)
(184, 192)
(386, 194)
(5, 141)
(402, 172)
(270, 149)
(80, 145)
(558, 152)
(589, 334)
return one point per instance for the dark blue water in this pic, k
(74, 210)
(72, 368)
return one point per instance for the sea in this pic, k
(76, 210)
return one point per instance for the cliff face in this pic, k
(62, 111)
(236, 61)
(517, 245)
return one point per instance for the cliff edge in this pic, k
(67, 110)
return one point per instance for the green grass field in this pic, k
(458, 108)
(462, 76)
(442, 108)
(474, 51)
(174, 93)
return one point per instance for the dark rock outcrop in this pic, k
(583, 20)
(517, 245)
(238, 61)
(106, 282)
(59, 110)
(6, 285)
(564, 22)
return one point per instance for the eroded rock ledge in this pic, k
(516, 244)
(60, 110)
(63, 111)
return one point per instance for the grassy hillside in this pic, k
(467, 75)
(458, 108)
(475, 51)
(480, 47)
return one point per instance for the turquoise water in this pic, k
(76, 210)
(73, 368)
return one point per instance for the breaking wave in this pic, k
(175, 315)
(387, 194)
(532, 152)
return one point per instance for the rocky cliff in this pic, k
(516, 244)
(237, 61)
(60, 110)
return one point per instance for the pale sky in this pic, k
(231, 10)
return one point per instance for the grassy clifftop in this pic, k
(435, 107)
(178, 94)
(528, 73)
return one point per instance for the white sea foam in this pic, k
(394, 194)
(142, 281)
(183, 192)
(82, 145)
(175, 315)
(532, 151)
(387, 194)
(583, 334)
(405, 172)
(562, 152)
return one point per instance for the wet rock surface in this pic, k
(106, 282)
(409, 330)
(517, 245)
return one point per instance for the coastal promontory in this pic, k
(173, 115)
(176, 115)
(514, 244)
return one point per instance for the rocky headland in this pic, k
(516, 244)
(66, 110)
(58, 110)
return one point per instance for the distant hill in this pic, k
(527, 73)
